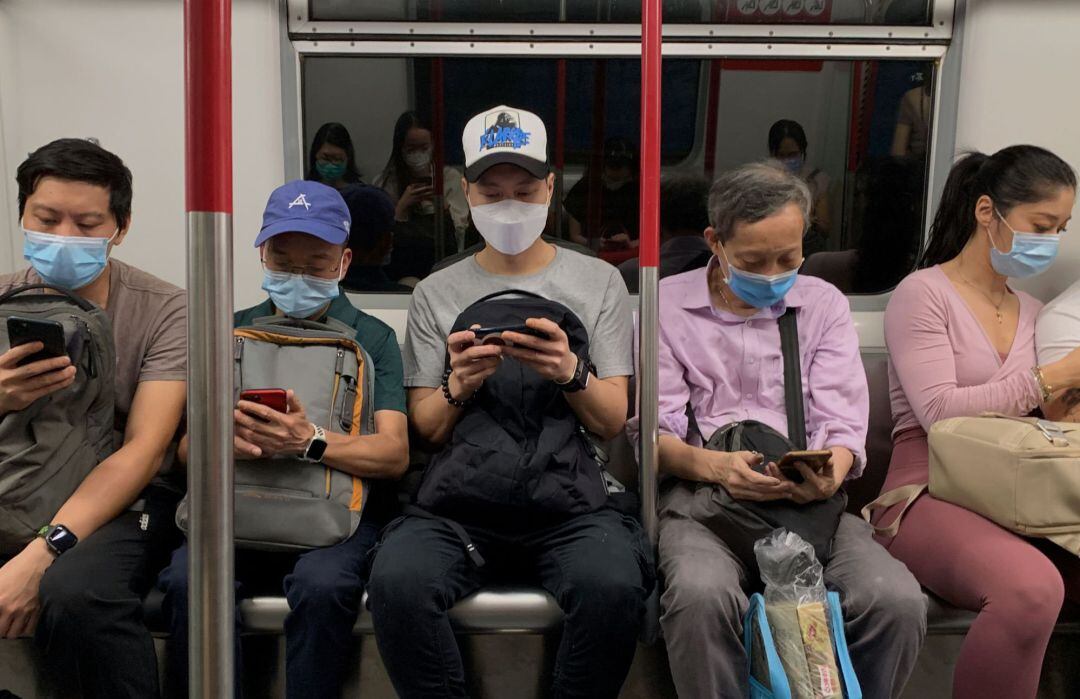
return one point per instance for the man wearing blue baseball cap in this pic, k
(304, 249)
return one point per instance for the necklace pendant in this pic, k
(1000, 318)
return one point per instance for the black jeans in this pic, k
(595, 565)
(91, 632)
(323, 588)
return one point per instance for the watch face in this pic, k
(316, 450)
(60, 539)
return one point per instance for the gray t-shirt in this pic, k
(588, 286)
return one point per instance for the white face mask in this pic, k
(510, 226)
(418, 160)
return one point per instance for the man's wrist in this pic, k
(569, 374)
(40, 552)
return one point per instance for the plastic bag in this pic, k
(797, 610)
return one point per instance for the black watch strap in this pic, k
(580, 380)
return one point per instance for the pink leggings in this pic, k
(1016, 585)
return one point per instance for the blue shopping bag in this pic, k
(767, 677)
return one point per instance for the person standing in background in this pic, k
(332, 159)
(787, 143)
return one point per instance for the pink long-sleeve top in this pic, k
(942, 363)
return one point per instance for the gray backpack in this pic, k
(288, 504)
(47, 449)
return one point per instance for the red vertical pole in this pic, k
(208, 104)
(650, 132)
(208, 182)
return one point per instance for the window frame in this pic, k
(939, 42)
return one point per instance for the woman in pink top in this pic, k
(962, 342)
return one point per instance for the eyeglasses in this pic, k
(321, 271)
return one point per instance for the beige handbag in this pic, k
(1022, 473)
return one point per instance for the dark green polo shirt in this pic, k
(380, 341)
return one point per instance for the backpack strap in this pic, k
(459, 532)
(793, 395)
(77, 300)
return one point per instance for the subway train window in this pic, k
(891, 12)
(855, 131)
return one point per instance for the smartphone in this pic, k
(816, 460)
(274, 398)
(48, 332)
(493, 335)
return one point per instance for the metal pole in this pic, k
(649, 254)
(208, 144)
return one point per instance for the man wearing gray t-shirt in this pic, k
(593, 560)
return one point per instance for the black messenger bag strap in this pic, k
(793, 395)
(459, 532)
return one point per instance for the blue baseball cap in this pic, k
(304, 206)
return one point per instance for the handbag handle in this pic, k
(906, 494)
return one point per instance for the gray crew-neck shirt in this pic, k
(591, 288)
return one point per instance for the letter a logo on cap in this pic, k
(300, 201)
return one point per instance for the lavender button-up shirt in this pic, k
(729, 368)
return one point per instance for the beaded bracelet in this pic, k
(446, 392)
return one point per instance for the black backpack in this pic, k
(519, 450)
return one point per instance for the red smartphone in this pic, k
(274, 398)
(816, 460)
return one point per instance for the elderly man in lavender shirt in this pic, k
(720, 354)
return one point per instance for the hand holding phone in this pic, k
(492, 335)
(36, 365)
(816, 460)
(49, 333)
(273, 398)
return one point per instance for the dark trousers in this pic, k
(595, 565)
(323, 588)
(91, 632)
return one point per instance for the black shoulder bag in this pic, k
(741, 523)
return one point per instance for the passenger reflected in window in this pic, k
(409, 179)
(684, 217)
(371, 239)
(787, 143)
(912, 131)
(332, 159)
(889, 236)
(603, 204)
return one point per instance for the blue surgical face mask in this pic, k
(1030, 254)
(299, 295)
(759, 290)
(330, 172)
(69, 262)
(793, 164)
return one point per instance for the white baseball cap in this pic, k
(505, 135)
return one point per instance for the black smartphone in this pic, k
(48, 332)
(492, 335)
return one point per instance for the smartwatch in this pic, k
(580, 380)
(58, 538)
(316, 447)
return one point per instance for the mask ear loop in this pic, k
(993, 243)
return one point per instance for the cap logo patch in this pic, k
(300, 201)
(501, 130)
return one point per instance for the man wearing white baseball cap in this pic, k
(506, 495)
